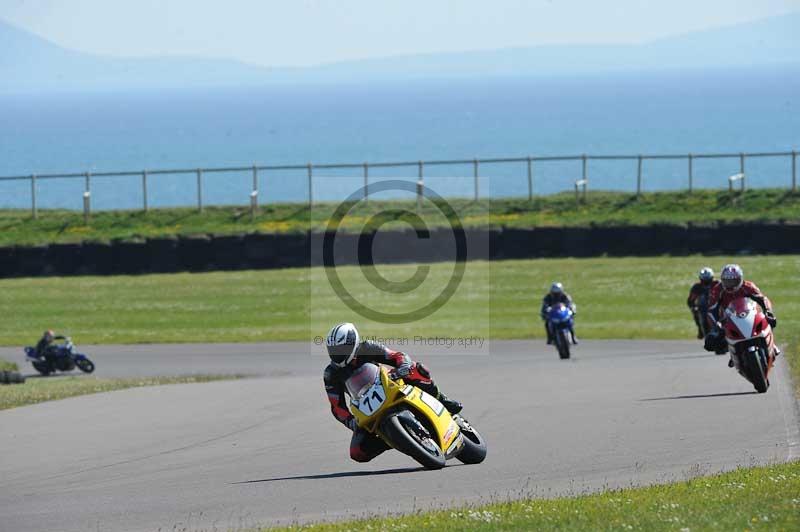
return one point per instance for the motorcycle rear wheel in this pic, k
(42, 368)
(407, 441)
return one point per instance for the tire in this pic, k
(474, 450)
(704, 326)
(85, 365)
(407, 441)
(755, 366)
(562, 342)
(701, 315)
(11, 377)
(42, 368)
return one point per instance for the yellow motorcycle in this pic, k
(411, 420)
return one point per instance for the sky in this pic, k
(309, 32)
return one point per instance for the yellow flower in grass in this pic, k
(274, 227)
(79, 229)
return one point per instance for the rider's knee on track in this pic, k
(358, 454)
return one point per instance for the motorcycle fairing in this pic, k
(374, 386)
(745, 321)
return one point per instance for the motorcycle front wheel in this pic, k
(703, 325)
(85, 365)
(403, 431)
(562, 342)
(755, 366)
(474, 450)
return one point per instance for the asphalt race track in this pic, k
(266, 450)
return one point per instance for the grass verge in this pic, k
(39, 390)
(760, 498)
(5, 365)
(792, 351)
(605, 208)
(616, 297)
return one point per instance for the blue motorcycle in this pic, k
(66, 358)
(561, 322)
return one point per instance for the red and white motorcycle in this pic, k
(750, 341)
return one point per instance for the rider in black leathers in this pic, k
(347, 354)
(46, 347)
(699, 295)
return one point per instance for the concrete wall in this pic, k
(264, 251)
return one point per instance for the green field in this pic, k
(616, 297)
(7, 366)
(17, 226)
(38, 390)
(761, 498)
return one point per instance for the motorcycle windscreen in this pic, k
(559, 313)
(741, 307)
(361, 380)
(742, 313)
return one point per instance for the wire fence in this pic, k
(526, 167)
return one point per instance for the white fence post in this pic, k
(34, 211)
(366, 182)
(254, 197)
(420, 184)
(144, 190)
(87, 195)
(200, 190)
(639, 177)
(475, 175)
(310, 186)
(584, 175)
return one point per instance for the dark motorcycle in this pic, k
(700, 312)
(65, 358)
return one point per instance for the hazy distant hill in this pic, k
(30, 63)
(769, 41)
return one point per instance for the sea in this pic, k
(753, 109)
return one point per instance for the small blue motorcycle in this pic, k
(561, 321)
(66, 358)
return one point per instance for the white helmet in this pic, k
(341, 342)
(732, 277)
(706, 274)
(556, 288)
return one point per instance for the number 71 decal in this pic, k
(372, 400)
